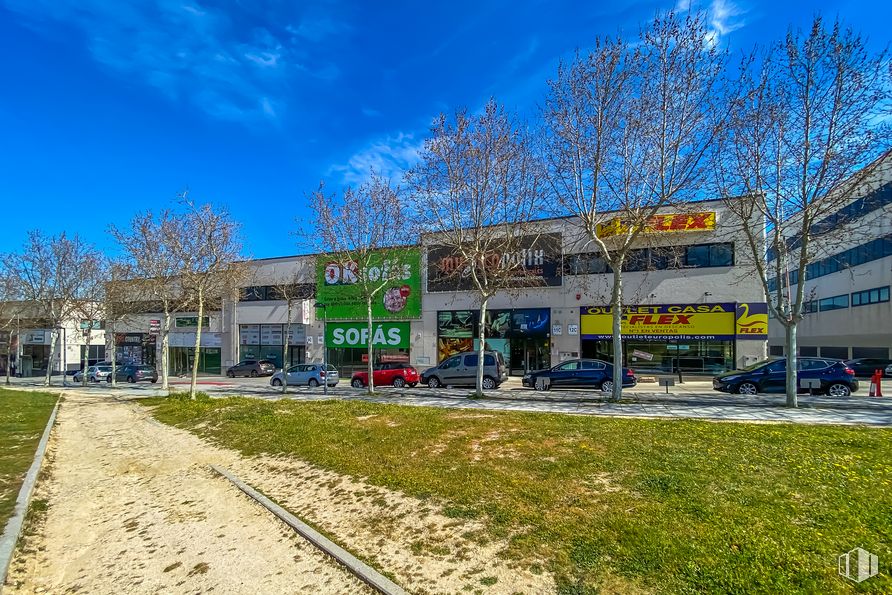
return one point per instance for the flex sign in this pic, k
(677, 321)
(667, 222)
(356, 334)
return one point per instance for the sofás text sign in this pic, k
(339, 287)
(356, 334)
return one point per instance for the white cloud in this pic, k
(391, 157)
(723, 17)
(188, 51)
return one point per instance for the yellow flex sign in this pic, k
(670, 222)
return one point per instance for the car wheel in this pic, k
(399, 382)
(489, 383)
(109, 379)
(276, 382)
(607, 386)
(154, 380)
(356, 383)
(131, 380)
(230, 373)
(747, 388)
(413, 384)
(433, 382)
(838, 389)
(313, 383)
(253, 373)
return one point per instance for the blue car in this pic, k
(579, 373)
(770, 376)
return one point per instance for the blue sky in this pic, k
(108, 108)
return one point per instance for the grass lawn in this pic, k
(23, 417)
(615, 504)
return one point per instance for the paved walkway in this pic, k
(694, 399)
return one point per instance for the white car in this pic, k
(95, 373)
(311, 375)
(888, 373)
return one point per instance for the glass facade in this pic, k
(267, 341)
(522, 335)
(694, 356)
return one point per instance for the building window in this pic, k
(876, 295)
(775, 350)
(835, 352)
(810, 307)
(837, 302)
(656, 259)
(868, 252)
(808, 351)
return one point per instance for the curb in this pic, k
(360, 569)
(14, 526)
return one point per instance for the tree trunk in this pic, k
(616, 305)
(9, 357)
(285, 349)
(481, 347)
(54, 336)
(86, 361)
(791, 384)
(194, 380)
(165, 353)
(114, 356)
(370, 388)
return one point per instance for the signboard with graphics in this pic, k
(725, 321)
(337, 287)
(537, 262)
(356, 334)
(752, 321)
(667, 222)
(659, 322)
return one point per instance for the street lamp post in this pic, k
(324, 349)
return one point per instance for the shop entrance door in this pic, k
(528, 354)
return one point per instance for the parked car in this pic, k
(390, 373)
(95, 373)
(888, 372)
(461, 369)
(134, 373)
(769, 376)
(866, 366)
(578, 373)
(252, 368)
(307, 374)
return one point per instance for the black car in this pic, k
(135, 373)
(252, 368)
(865, 366)
(579, 373)
(770, 376)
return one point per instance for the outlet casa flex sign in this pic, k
(356, 334)
(663, 223)
(679, 321)
(338, 286)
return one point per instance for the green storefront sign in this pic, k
(337, 286)
(355, 334)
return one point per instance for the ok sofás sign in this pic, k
(356, 334)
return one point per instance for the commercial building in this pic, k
(847, 287)
(26, 341)
(693, 305)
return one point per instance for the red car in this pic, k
(398, 375)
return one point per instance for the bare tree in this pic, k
(362, 234)
(89, 304)
(292, 291)
(119, 305)
(10, 310)
(207, 245)
(48, 275)
(154, 266)
(480, 182)
(628, 129)
(805, 125)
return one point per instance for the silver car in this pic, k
(311, 375)
(461, 369)
(95, 373)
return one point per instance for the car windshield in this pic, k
(757, 365)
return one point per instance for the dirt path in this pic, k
(133, 508)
